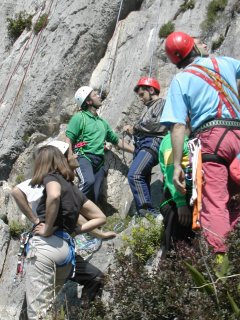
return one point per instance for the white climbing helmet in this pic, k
(81, 94)
(62, 146)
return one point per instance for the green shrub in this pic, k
(16, 228)
(20, 178)
(187, 5)
(216, 44)
(213, 8)
(41, 23)
(174, 290)
(26, 137)
(166, 29)
(115, 222)
(16, 26)
(171, 290)
(145, 239)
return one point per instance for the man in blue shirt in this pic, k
(206, 91)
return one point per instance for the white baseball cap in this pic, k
(62, 146)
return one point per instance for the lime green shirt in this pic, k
(84, 126)
(167, 167)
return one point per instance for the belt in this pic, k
(230, 123)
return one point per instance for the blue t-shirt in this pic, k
(189, 95)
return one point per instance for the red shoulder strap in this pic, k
(216, 68)
(218, 87)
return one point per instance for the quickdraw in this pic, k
(80, 144)
(195, 156)
(22, 252)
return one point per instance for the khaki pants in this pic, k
(43, 278)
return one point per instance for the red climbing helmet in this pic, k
(147, 82)
(178, 45)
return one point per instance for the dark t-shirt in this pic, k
(71, 201)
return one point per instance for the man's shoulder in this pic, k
(159, 102)
(76, 116)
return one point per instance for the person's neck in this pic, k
(93, 110)
(153, 98)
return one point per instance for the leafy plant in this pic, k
(234, 306)
(213, 8)
(115, 222)
(20, 178)
(41, 23)
(166, 29)
(200, 280)
(217, 43)
(16, 228)
(16, 26)
(145, 239)
(171, 290)
(187, 5)
(26, 137)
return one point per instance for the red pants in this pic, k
(216, 220)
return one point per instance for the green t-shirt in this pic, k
(167, 167)
(85, 127)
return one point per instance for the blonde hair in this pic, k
(50, 159)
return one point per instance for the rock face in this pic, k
(40, 73)
(53, 64)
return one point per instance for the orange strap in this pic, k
(197, 207)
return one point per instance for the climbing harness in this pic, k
(215, 80)
(230, 123)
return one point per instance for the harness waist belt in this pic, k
(230, 123)
(207, 157)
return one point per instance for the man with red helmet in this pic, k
(147, 134)
(206, 91)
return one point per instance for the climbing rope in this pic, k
(123, 152)
(111, 60)
(20, 59)
(10, 112)
(154, 43)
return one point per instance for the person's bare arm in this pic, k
(94, 216)
(177, 137)
(128, 129)
(23, 205)
(95, 232)
(123, 145)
